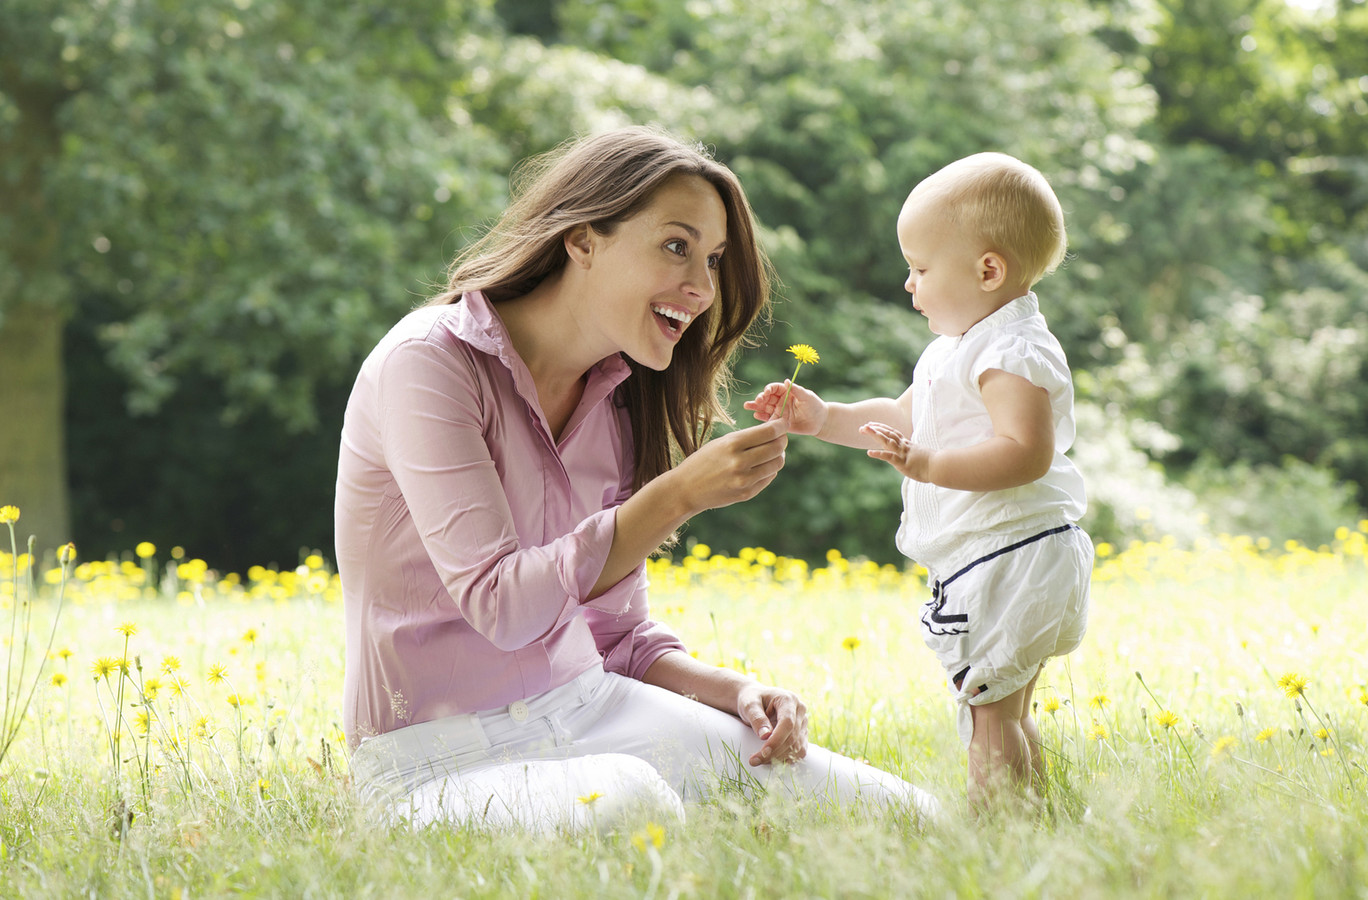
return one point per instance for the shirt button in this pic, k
(518, 710)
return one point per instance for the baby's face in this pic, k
(944, 275)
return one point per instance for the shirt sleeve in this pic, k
(432, 435)
(629, 641)
(1014, 354)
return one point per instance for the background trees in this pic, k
(220, 208)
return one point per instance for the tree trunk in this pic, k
(33, 473)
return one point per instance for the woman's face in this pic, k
(657, 272)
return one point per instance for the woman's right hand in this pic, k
(733, 467)
(804, 412)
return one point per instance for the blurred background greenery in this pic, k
(210, 211)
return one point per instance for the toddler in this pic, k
(990, 501)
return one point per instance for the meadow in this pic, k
(1208, 739)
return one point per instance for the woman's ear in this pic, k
(580, 243)
(992, 271)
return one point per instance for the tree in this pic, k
(245, 191)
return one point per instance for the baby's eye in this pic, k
(677, 247)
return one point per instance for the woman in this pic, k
(506, 468)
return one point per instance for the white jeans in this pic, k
(587, 754)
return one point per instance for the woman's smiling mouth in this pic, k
(671, 320)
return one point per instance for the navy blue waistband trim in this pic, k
(1008, 549)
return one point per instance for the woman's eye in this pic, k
(715, 261)
(676, 247)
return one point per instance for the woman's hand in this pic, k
(779, 718)
(733, 467)
(804, 412)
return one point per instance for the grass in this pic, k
(1179, 765)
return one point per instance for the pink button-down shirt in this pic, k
(467, 538)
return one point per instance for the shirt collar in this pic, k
(1022, 307)
(479, 325)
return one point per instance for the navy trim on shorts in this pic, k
(937, 601)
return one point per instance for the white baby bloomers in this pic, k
(1009, 570)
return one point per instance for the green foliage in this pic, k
(236, 197)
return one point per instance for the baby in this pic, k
(990, 502)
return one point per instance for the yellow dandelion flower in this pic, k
(1323, 734)
(1051, 704)
(1099, 701)
(145, 550)
(1223, 746)
(203, 725)
(143, 723)
(588, 799)
(104, 666)
(805, 355)
(170, 664)
(249, 636)
(1363, 697)
(1266, 735)
(9, 515)
(150, 688)
(1292, 684)
(263, 786)
(1167, 718)
(1328, 752)
(218, 673)
(127, 629)
(851, 643)
(234, 700)
(59, 679)
(64, 654)
(1098, 732)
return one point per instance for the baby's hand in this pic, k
(899, 452)
(803, 412)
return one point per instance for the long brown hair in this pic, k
(601, 181)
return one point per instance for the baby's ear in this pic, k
(992, 271)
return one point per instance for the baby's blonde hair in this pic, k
(1007, 203)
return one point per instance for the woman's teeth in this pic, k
(677, 315)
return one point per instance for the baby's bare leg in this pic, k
(1000, 757)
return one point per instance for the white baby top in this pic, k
(941, 526)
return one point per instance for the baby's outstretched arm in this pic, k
(835, 423)
(1020, 450)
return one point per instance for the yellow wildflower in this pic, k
(170, 664)
(150, 688)
(588, 799)
(805, 355)
(67, 554)
(1292, 684)
(59, 679)
(1099, 701)
(1223, 746)
(851, 643)
(1167, 718)
(1098, 732)
(105, 666)
(9, 514)
(218, 672)
(1051, 704)
(145, 550)
(1264, 736)
(127, 629)
(143, 724)
(1323, 734)
(249, 636)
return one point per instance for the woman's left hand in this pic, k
(779, 718)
